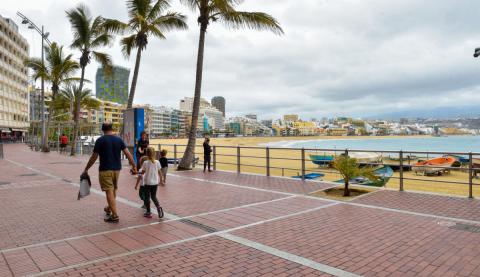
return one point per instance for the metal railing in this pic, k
(1, 151)
(294, 160)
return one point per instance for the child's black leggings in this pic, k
(150, 192)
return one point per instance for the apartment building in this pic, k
(14, 106)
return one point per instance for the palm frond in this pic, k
(128, 43)
(80, 21)
(102, 40)
(105, 60)
(114, 26)
(251, 20)
(171, 21)
(194, 5)
(157, 9)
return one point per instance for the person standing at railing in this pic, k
(207, 151)
(142, 146)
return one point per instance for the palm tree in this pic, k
(225, 12)
(70, 98)
(145, 20)
(58, 69)
(89, 34)
(349, 169)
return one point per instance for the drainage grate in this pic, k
(465, 227)
(4, 183)
(205, 228)
(28, 174)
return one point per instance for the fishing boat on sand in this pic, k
(383, 173)
(361, 157)
(434, 166)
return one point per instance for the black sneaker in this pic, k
(112, 219)
(160, 212)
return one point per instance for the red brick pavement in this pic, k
(44, 213)
(373, 242)
(212, 256)
(270, 183)
(439, 205)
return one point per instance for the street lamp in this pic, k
(44, 36)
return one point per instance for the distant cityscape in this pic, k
(20, 103)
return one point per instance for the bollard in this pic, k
(214, 158)
(267, 157)
(303, 163)
(470, 175)
(175, 162)
(1, 151)
(400, 156)
(238, 159)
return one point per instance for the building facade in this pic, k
(167, 122)
(209, 117)
(219, 103)
(14, 103)
(112, 87)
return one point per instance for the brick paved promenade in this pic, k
(224, 224)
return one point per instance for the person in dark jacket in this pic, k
(142, 145)
(207, 151)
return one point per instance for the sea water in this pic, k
(433, 144)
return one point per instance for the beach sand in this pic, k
(286, 162)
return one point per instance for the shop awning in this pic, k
(4, 130)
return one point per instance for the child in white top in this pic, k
(152, 177)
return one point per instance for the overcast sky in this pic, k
(337, 57)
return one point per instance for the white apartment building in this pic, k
(167, 122)
(14, 106)
(207, 113)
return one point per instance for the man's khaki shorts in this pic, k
(108, 179)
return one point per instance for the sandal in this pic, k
(111, 219)
(107, 211)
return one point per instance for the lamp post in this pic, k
(44, 35)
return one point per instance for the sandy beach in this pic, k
(287, 162)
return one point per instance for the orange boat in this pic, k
(434, 166)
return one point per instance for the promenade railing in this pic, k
(459, 179)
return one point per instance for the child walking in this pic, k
(140, 183)
(152, 178)
(164, 164)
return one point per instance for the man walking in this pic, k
(109, 148)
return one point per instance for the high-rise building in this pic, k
(251, 116)
(113, 87)
(14, 120)
(35, 109)
(186, 104)
(219, 103)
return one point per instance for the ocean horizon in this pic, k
(428, 144)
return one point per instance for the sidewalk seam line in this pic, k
(133, 252)
(288, 256)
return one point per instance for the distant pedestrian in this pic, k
(207, 150)
(164, 164)
(142, 145)
(152, 178)
(63, 143)
(109, 148)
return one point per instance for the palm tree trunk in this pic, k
(76, 116)
(188, 156)
(134, 78)
(49, 118)
(346, 190)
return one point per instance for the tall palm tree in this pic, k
(225, 12)
(58, 69)
(146, 19)
(89, 34)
